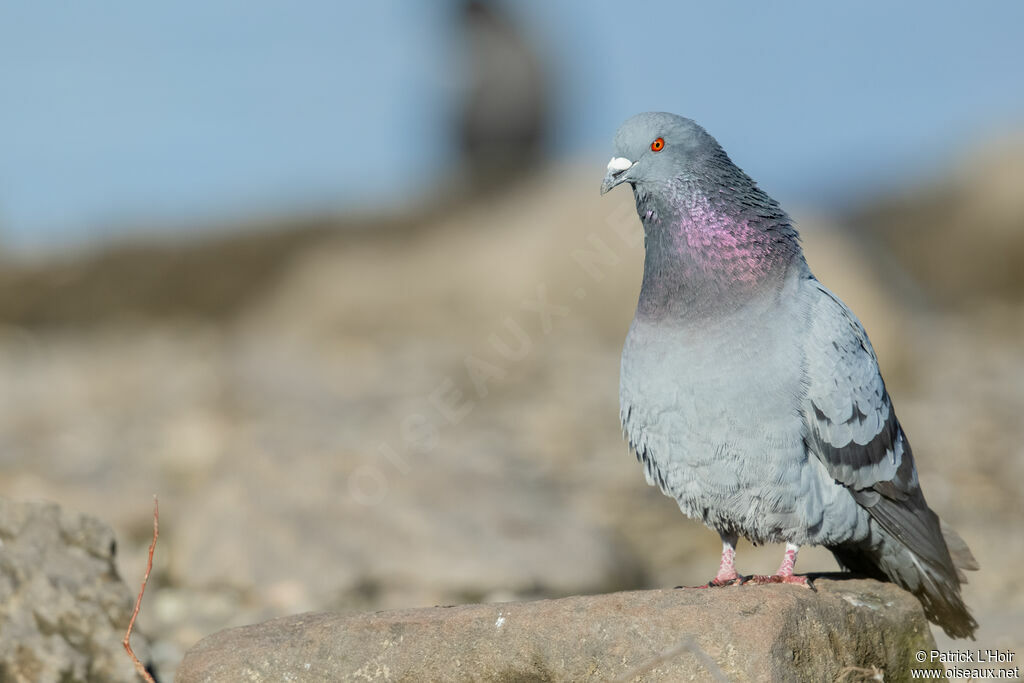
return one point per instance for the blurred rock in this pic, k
(503, 116)
(63, 608)
(962, 236)
(780, 633)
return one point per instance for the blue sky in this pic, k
(119, 114)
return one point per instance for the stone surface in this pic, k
(63, 608)
(750, 633)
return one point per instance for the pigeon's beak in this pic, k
(617, 168)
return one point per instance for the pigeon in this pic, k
(751, 394)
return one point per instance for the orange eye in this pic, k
(658, 145)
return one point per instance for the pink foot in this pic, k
(726, 575)
(785, 573)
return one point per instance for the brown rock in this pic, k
(750, 633)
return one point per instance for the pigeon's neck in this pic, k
(708, 252)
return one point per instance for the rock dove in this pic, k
(751, 394)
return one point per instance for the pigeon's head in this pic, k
(656, 147)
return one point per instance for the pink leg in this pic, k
(785, 573)
(726, 575)
(788, 560)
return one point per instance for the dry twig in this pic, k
(138, 600)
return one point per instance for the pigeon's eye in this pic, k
(658, 145)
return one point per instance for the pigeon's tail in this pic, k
(935, 580)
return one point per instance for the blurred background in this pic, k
(336, 281)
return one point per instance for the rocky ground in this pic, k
(427, 413)
(847, 630)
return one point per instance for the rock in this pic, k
(63, 608)
(738, 634)
(505, 110)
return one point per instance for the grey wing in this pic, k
(853, 430)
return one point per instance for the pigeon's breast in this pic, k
(712, 409)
